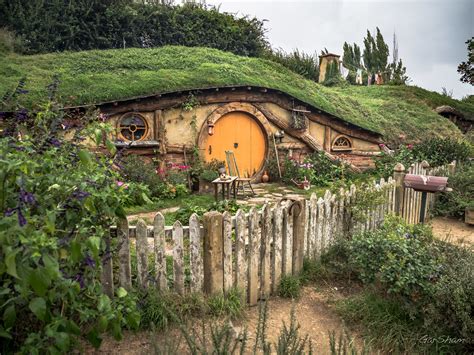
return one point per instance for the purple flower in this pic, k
(89, 261)
(27, 197)
(21, 115)
(21, 218)
(79, 278)
(10, 211)
(55, 142)
(80, 195)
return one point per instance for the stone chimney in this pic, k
(324, 61)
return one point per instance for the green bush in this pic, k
(451, 304)
(290, 286)
(162, 309)
(441, 151)
(55, 26)
(306, 65)
(168, 183)
(317, 168)
(436, 151)
(397, 256)
(57, 201)
(454, 203)
(210, 170)
(229, 304)
(431, 282)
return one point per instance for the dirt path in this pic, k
(315, 316)
(453, 230)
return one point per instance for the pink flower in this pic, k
(410, 146)
(122, 184)
(381, 145)
(102, 117)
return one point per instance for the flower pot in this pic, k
(469, 216)
(265, 177)
(205, 186)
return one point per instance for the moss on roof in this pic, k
(91, 77)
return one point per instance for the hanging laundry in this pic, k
(378, 79)
(344, 72)
(359, 76)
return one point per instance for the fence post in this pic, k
(299, 222)
(107, 269)
(399, 176)
(125, 268)
(142, 253)
(452, 167)
(213, 253)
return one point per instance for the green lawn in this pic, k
(91, 77)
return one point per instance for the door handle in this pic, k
(210, 149)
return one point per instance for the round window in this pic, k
(133, 127)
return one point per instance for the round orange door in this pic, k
(240, 133)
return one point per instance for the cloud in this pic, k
(431, 33)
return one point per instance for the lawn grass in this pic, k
(91, 77)
(195, 199)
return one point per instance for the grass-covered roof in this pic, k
(92, 77)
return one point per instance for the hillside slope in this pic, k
(91, 77)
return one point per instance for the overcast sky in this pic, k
(431, 33)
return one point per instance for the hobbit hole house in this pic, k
(250, 121)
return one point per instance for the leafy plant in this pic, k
(316, 168)
(441, 151)
(231, 304)
(58, 200)
(210, 170)
(132, 24)
(455, 202)
(290, 286)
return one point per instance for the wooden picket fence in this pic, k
(250, 251)
(409, 206)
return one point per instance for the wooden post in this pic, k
(142, 253)
(125, 273)
(254, 256)
(452, 167)
(160, 248)
(178, 258)
(227, 248)
(213, 255)
(299, 222)
(107, 269)
(277, 247)
(267, 240)
(399, 176)
(240, 272)
(195, 253)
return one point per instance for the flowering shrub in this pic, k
(165, 183)
(436, 151)
(430, 279)
(58, 201)
(317, 168)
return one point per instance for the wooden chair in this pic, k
(234, 171)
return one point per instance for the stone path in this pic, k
(264, 193)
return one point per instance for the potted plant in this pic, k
(209, 172)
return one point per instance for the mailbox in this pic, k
(426, 183)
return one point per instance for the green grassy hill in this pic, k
(92, 77)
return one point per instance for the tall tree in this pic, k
(351, 56)
(375, 53)
(466, 69)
